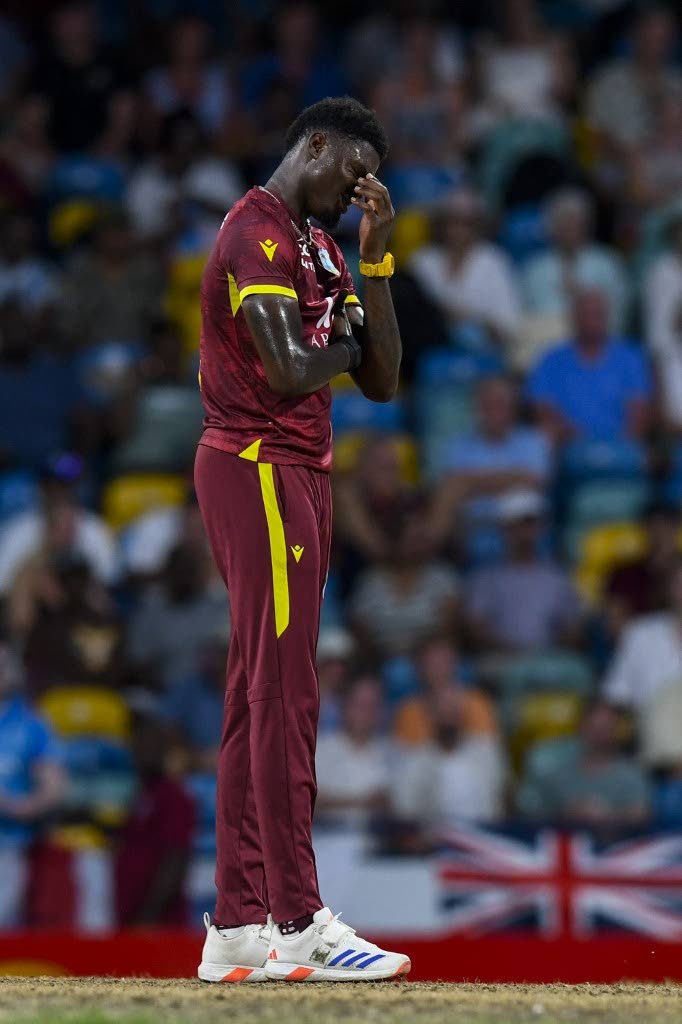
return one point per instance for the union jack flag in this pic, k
(561, 884)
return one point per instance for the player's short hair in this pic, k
(344, 116)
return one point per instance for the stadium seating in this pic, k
(538, 717)
(203, 789)
(351, 412)
(602, 549)
(182, 298)
(94, 727)
(513, 141)
(443, 400)
(165, 432)
(127, 497)
(87, 711)
(596, 502)
(411, 230)
(554, 670)
(347, 452)
(18, 493)
(603, 460)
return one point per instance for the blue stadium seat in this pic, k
(441, 367)
(673, 485)
(592, 460)
(19, 492)
(202, 789)
(351, 411)
(443, 399)
(523, 231)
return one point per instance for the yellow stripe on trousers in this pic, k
(278, 547)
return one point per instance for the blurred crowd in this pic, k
(502, 628)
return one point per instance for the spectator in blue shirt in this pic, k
(499, 456)
(595, 386)
(31, 784)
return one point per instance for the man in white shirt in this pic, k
(573, 258)
(460, 776)
(649, 655)
(353, 762)
(469, 278)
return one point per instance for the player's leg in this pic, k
(327, 949)
(283, 564)
(237, 955)
(240, 877)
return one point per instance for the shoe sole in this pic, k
(275, 970)
(230, 973)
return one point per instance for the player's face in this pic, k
(333, 173)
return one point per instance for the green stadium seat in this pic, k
(547, 671)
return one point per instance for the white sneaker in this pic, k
(329, 950)
(236, 959)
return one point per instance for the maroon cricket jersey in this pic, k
(260, 249)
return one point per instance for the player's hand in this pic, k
(373, 199)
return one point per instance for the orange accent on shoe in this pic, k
(238, 974)
(272, 955)
(403, 969)
(300, 974)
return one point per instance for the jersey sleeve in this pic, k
(260, 256)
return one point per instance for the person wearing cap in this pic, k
(499, 455)
(526, 602)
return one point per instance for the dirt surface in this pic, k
(148, 1001)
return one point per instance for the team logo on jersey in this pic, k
(269, 247)
(297, 551)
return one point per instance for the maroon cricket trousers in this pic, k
(269, 528)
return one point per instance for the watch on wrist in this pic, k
(383, 269)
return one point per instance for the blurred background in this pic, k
(501, 648)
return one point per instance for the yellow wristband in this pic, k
(383, 269)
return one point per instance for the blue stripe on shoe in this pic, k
(335, 961)
(371, 960)
(353, 959)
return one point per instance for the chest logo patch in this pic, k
(269, 247)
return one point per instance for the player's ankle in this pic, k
(295, 927)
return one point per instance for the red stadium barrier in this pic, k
(166, 954)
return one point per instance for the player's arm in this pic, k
(292, 368)
(376, 329)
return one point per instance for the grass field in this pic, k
(148, 1001)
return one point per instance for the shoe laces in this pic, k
(265, 931)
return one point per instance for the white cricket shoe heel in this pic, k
(329, 950)
(236, 959)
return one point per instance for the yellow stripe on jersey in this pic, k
(352, 298)
(235, 301)
(278, 548)
(267, 289)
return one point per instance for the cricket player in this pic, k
(280, 320)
